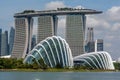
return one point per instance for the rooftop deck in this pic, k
(59, 11)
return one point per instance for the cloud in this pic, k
(97, 21)
(108, 45)
(35, 29)
(79, 7)
(113, 13)
(54, 5)
(116, 27)
(61, 22)
(110, 37)
(61, 26)
(109, 20)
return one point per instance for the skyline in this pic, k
(106, 25)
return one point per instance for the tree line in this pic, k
(13, 63)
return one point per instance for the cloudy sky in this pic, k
(106, 25)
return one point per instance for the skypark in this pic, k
(66, 8)
(59, 11)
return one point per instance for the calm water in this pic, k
(59, 75)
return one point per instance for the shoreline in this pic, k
(54, 70)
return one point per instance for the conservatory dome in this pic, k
(95, 60)
(53, 50)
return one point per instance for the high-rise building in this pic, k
(90, 47)
(90, 44)
(4, 44)
(11, 39)
(0, 40)
(90, 34)
(33, 41)
(47, 26)
(99, 45)
(23, 35)
(75, 29)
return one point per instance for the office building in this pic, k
(23, 35)
(4, 44)
(47, 26)
(11, 39)
(99, 45)
(90, 47)
(90, 34)
(90, 44)
(75, 29)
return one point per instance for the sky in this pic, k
(106, 25)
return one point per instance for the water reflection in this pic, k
(59, 76)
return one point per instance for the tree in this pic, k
(117, 66)
(42, 64)
(35, 64)
(59, 66)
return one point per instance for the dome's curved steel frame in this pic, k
(96, 60)
(53, 50)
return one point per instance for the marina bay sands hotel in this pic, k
(47, 26)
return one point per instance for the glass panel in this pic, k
(53, 49)
(42, 51)
(58, 48)
(49, 52)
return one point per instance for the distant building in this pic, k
(0, 40)
(90, 34)
(90, 47)
(90, 44)
(33, 41)
(11, 39)
(99, 45)
(4, 44)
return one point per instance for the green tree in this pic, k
(35, 64)
(59, 66)
(42, 64)
(117, 66)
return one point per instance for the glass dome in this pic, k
(53, 51)
(96, 60)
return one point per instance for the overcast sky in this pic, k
(106, 25)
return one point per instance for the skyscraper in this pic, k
(99, 45)
(47, 26)
(23, 35)
(0, 40)
(11, 39)
(90, 44)
(90, 34)
(4, 44)
(75, 29)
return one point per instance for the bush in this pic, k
(117, 66)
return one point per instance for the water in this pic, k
(59, 75)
